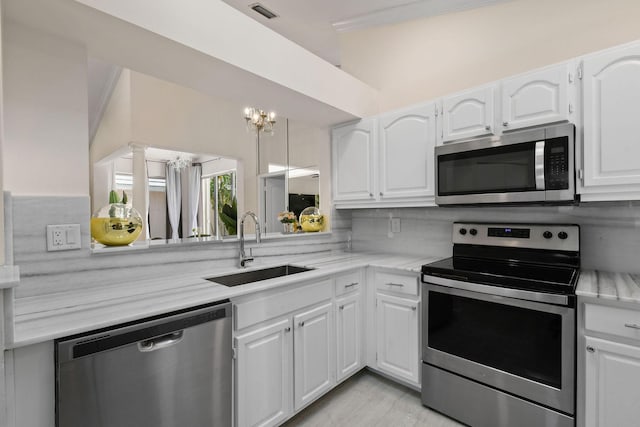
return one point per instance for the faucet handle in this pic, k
(245, 261)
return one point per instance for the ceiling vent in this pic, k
(263, 11)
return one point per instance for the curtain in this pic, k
(193, 193)
(174, 199)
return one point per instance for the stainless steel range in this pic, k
(499, 325)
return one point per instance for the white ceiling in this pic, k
(315, 25)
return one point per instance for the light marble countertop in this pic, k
(609, 286)
(41, 318)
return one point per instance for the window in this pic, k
(219, 205)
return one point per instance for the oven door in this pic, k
(525, 348)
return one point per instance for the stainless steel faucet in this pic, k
(243, 258)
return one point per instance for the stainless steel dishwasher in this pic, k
(171, 370)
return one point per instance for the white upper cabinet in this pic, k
(468, 114)
(406, 145)
(540, 97)
(353, 151)
(386, 161)
(611, 120)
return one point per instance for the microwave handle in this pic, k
(539, 165)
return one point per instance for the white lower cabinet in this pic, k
(283, 366)
(263, 375)
(348, 335)
(609, 365)
(612, 376)
(397, 337)
(285, 346)
(313, 350)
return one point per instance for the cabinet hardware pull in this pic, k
(342, 307)
(505, 124)
(591, 349)
(570, 108)
(414, 308)
(370, 194)
(351, 284)
(381, 193)
(632, 325)
(287, 329)
(395, 284)
(301, 324)
(487, 127)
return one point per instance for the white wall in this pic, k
(2, 242)
(46, 146)
(114, 130)
(423, 59)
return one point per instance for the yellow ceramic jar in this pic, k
(116, 225)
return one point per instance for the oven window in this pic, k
(493, 170)
(523, 342)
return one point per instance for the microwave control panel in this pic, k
(556, 164)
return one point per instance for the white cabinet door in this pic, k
(263, 375)
(468, 114)
(397, 337)
(314, 369)
(407, 141)
(353, 157)
(537, 98)
(612, 378)
(611, 98)
(349, 335)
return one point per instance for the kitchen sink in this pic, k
(257, 275)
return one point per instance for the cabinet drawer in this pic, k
(397, 283)
(280, 303)
(612, 320)
(348, 282)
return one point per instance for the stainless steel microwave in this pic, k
(531, 166)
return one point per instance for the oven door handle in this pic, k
(539, 165)
(538, 297)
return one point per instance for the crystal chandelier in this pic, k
(179, 162)
(259, 120)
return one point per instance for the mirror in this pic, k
(173, 121)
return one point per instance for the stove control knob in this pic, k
(463, 231)
(563, 235)
(547, 234)
(473, 231)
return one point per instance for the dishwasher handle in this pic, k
(159, 343)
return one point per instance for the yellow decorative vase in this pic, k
(116, 224)
(311, 219)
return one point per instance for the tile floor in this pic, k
(368, 400)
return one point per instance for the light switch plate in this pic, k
(63, 237)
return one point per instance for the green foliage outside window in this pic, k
(227, 203)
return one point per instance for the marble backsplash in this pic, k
(43, 272)
(610, 240)
(609, 233)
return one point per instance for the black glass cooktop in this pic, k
(512, 274)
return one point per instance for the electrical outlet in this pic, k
(58, 239)
(63, 237)
(395, 225)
